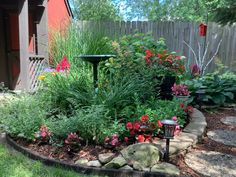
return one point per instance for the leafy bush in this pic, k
(22, 116)
(220, 89)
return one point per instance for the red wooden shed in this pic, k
(24, 26)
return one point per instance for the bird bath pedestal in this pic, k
(95, 59)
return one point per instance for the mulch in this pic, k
(213, 122)
(91, 152)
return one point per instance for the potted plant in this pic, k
(180, 92)
(167, 67)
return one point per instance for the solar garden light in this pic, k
(200, 95)
(169, 129)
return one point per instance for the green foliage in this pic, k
(22, 116)
(223, 11)
(90, 123)
(220, 89)
(95, 10)
(162, 109)
(74, 42)
(183, 10)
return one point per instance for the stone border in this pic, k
(191, 135)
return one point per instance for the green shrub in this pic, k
(220, 88)
(22, 116)
(90, 122)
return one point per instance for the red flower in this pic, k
(136, 125)
(190, 109)
(141, 138)
(129, 126)
(126, 139)
(164, 51)
(63, 65)
(159, 55)
(182, 105)
(144, 118)
(159, 123)
(132, 133)
(148, 60)
(148, 53)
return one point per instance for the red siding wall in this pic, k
(58, 15)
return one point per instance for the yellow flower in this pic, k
(53, 73)
(41, 78)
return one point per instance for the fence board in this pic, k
(175, 33)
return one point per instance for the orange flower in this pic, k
(141, 138)
(159, 123)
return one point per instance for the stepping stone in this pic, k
(213, 164)
(168, 168)
(226, 137)
(230, 120)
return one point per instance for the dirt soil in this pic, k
(91, 152)
(213, 123)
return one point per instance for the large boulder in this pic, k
(145, 154)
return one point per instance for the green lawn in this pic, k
(16, 165)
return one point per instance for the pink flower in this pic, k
(195, 70)
(174, 118)
(129, 126)
(126, 139)
(43, 134)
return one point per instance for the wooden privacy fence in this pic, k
(175, 33)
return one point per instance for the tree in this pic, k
(95, 10)
(185, 10)
(223, 11)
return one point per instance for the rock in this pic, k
(116, 163)
(210, 163)
(166, 168)
(138, 166)
(144, 153)
(81, 161)
(126, 167)
(105, 158)
(94, 163)
(226, 137)
(230, 120)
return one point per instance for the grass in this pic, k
(16, 165)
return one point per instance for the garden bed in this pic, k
(59, 156)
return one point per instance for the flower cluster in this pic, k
(170, 61)
(177, 128)
(62, 66)
(187, 108)
(142, 130)
(195, 70)
(180, 90)
(73, 142)
(72, 139)
(112, 141)
(44, 134)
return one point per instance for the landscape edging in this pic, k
(192, 134)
